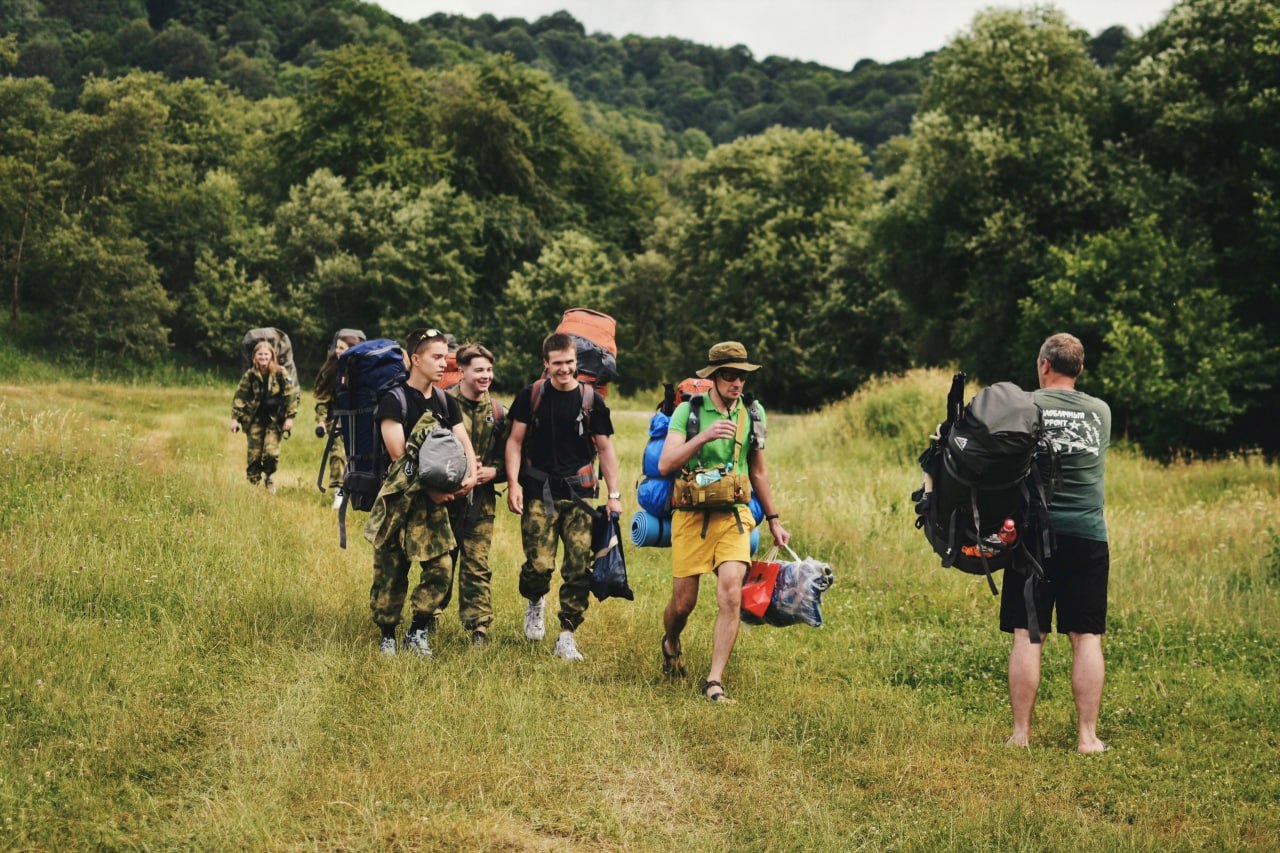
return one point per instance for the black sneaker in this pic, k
(479, 639)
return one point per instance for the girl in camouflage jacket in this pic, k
(264, 407)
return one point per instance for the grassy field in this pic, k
(188, 663)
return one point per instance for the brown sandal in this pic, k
(672, 664)
(719, 698)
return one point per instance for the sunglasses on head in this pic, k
(417, 336)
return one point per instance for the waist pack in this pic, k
(710, 488)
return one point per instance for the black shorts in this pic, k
(1076, 588)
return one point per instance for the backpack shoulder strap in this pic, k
(535, 398)
(694, 423)
(441, 397)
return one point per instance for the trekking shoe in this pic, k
(337, 498)
(271, 486)
(479, 640)
(534, 626)
(416, 642)
(387, 646)
(567, 647)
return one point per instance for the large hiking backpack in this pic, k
(365, 372)
(650, 526)
(452, 373)
(279, 341)
(595, 342)
(989, 474)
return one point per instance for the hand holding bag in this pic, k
(758, 586)
(609, 567)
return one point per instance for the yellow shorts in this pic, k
(692, 554)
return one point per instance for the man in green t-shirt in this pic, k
(1080, 427)
(715, 540)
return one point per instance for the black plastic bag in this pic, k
(609, 567)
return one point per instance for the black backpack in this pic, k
(989, 474)
(366, 371)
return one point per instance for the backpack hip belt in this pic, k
(585, 479)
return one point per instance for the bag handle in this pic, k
(773, 552)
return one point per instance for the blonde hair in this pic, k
(273, 367)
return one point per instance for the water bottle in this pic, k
(1008, 533)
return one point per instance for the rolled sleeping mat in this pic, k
(650, 531)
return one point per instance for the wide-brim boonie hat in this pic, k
(729, 355)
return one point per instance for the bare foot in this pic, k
(1092, 748)
(1014, 740)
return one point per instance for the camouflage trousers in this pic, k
(473, 528)
(337, 465)
(264, 449)
(540, 536)
(391, 582)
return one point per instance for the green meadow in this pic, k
(188, 663)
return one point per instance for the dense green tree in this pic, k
(1000, 166)
(762, 250)
(30, 131)
(572, 271)
(1163, 344)
(363, 118)
(222, 303)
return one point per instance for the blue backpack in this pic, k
(366, 371)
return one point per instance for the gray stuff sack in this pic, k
(442, 463)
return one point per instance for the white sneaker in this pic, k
(337, 498)
(387, 646)
(567, 647)
(535, 627)
(416, 642)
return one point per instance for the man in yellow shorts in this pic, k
(712, 532)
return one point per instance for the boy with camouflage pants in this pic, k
(409, 522)
(486, 423)
(558, 427)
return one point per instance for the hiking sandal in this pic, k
(673, 664)
(720, 698)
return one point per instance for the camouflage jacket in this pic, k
(488, 442)
(403, 508)
(326, 392)
(265, 398)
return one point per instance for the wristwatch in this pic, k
(615, 496)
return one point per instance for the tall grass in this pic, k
(187, 662)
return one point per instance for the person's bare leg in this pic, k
(684, 597)
(1088, 671)
(1024, 684)
(728, 616)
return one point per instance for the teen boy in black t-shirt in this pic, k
(550, 456)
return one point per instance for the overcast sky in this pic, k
(834, 32)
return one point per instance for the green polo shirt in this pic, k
(718, 453)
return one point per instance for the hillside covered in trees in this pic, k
(172, 173)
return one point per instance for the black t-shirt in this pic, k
(553, 444)
(407, 409)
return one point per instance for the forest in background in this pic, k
(173, 173)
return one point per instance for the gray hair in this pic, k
(1065, 354)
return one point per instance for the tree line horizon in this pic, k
(173, 174)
